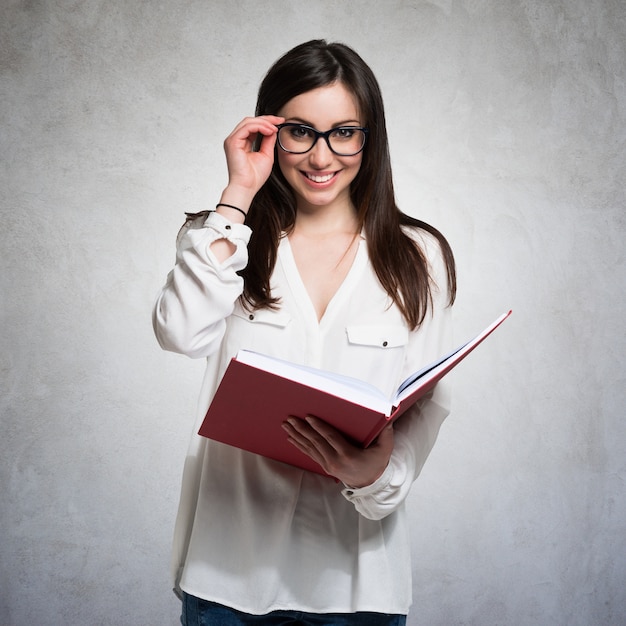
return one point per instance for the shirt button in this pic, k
(251, 316)
(227, 227)
(384, 344)
(349, 492)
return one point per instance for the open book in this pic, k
(258, 393)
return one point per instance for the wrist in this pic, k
(223, 207)
(240, 197)
(361, 482)
(234, 204)
(372, 486)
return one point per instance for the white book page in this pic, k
(431, 371)
(352, 389)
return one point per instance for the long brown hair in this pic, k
(400, 265)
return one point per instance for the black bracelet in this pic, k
(230, 206)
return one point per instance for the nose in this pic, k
(320, 154)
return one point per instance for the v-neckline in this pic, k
(299, 289)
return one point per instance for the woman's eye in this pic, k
(344, 133)
(300, 132)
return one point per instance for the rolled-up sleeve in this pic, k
(415, 434)
(199, 294)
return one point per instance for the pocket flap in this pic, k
(264, 316)
(376, 335)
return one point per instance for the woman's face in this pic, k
(319, 177)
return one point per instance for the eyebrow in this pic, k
(299, 120)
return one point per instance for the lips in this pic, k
(319, 178)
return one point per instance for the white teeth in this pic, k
(319, 179)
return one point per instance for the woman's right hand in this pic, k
(248, 170)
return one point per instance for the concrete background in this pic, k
(508, 131)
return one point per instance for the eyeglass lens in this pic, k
(298, 139)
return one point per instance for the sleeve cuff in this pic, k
(225, 229)
(198, 236)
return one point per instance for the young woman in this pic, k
(307, 258)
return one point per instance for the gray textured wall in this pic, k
(507, 123)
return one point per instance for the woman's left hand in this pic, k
(355, 467)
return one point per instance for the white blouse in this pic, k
(258, 535)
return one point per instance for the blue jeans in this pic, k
(198, 612)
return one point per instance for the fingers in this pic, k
(249, 168)
(323, 443)
(351, 464)
(266, 145)
(245, 133)
(307, 435)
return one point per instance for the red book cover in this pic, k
(258, 393)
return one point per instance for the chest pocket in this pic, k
(377, 353)
(376, 335)
(262, 330)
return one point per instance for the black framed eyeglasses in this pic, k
(343, 140)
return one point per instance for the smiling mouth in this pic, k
(317, 178)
